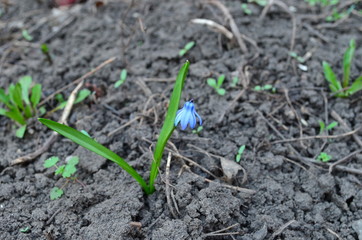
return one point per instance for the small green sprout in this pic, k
(261, 3)
(240, 152)
(266, 87)
(45, 50)
(122, 78)
(26, 35)
(246, 9)
(324, 157)
(297, 57)
(343, 89)
(82, 95)
(198, 130)
(166, 132)
(21, 102)
(187, 48)
(234, 82)
(323, 3)
(329, 126)
(217, 85)
(24, 229)
(67, 171)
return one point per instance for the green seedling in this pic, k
(21, 102)
(166, 132)
(261, 3)
(26, 35)
(187, 48)
(324, 157)
(234, 82)
(246, 9)
(266, 87)
(67, 171)
(335, 15)
(342, 88)
(45, 50)
(82, 95)
(217, 84)
(240, 152)
(198, 130)
(24, 229)
(297, 57)
(122, 78)
(329, 126)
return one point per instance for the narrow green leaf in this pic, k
(20, 132)
(60, 170)
(238, 158)
(356, 86)
(241, 149)
(15, 115)
(189, 45)
(35, 95)
(117, 84)
(95, 147)
(169, 124)
(50, 162)
(322, 126)
(347, 59)
(44, 48)
(123, 75)
(15, 95)
(332, 125)
(257, 88)
(4, 98)
(182, 52)
(56, 193)
(335, 85)
(220, 80)
(211, 82)
(83, 94)
(25, 83)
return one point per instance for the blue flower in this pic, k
(187, 115)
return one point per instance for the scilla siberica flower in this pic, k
(187, 115)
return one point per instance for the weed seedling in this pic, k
(24, 229)
(324, 157)
(246, 9)
(26, 35)
(266, 87)
(82, 95)
(187, 48)
(45, 50)
(234, 82)
(217, 84)
(198, 130)
(21, 105)
(323, 127)
(67, 171)
(185, 116)
(240, 152)
(343, 89)
(335, 16)
(122, 78)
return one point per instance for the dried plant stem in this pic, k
(213, 26)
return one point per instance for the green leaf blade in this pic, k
(25, 83)
(168, 125)
(356, 86)
(50, 162)
(211, 82)
(35, 95)
(335, 85)
(20, 132)
(95, 147)
(347, 59)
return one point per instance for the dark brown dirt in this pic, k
(322, 205)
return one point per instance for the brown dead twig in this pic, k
(234, 28)
(66, 112)
(282, 228)
(222, 232)
(213, 26)
(342, 160)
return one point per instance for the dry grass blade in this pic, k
(213, 26)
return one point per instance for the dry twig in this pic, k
(220, 232)
(213, 26)
(282, 228)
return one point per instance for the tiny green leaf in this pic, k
(44, 48)
(347, 59)
(15, 95)
(241, 149)
(322, 126)
(334, 85)
(123, 75)
(26, 35)
(356, 86)
(69, 170)
(25, 83)
(257, 88)
(35, 95)
(50, 162)
(238, 158)
(85, 133)
(182, 52)
(24, 229)
(73, 160)
(83, 94)
(189, 45)
(332, 125)
(246, 9)
(220, 80)
(60, 170)
(267, 87)
(20, 132)
(56, 193)
(211, 82)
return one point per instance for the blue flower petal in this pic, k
(192, 121)
(179, 116)
(200, 120)
(185, 119)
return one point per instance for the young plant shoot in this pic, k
(187, 116)
(19, 104)
(217, 84)
(342, 88)
(187, 48)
